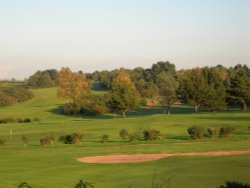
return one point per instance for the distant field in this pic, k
(56, 166)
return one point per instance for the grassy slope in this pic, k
(57, 163)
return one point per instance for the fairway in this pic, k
(57, 166)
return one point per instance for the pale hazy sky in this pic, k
(93, 35)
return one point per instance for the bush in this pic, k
(23, 185)
(151, 134)
(2, 142)
(196, 132)
(249, 127)
(124, 134)
(27, 120)
(211, 132)
(134, 136)
(104, 138)
(48, 140)
(83, 184)
(226, 131)
(74, 138)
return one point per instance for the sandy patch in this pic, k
(135, 158)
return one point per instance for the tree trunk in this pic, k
(196, 107)
(168, 109)
(244, 106)
(123, 114)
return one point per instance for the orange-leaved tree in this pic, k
(72, 85)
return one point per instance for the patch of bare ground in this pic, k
(135, 158)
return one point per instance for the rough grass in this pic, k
(56, 165)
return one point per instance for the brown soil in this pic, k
(135, 158)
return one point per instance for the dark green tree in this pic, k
(123, 94)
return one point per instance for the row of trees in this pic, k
(211, 88)
(43, 79)
(10, 96)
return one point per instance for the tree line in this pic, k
(211, 88)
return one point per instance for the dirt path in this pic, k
(135, 158)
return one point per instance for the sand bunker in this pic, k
(135, 158)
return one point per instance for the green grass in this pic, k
(56, 166)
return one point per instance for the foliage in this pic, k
(134, 136)
(74, 138)
(196, 132)
(123, 94)
(151, 134)
(88, 105)
(104, 138)
(167, 89)
(23, 185)
(43, 79)
(83, 184)
(124, 134)
(226, 131)
(12, 96)
(211, 132)
(239, 85)
(14, 120)
(48, 140)
(71, 85)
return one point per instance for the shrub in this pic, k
(134, 136)
(74, 138)
(2, 142)
(104, 138)
(9, 120)
(25, 140)
(211, 132)
(48, 140)
(226, 131)
(196, 132)
(124, 134)
(27, 120)
(249, 127)
(83, 184)
(23, 185)
(151, 134)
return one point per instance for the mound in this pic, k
(135, 158)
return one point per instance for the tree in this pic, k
(167, 89)
(72, 85)
(123, 94)
(194, 87)
(239, 85)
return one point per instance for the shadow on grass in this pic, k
(234, 184)
(177, 109)
(227, 118)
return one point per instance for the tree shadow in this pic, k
(234, 184)
(176, 109)
(79, 117)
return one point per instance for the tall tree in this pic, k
(167, 89)
(194, 87)
(123, 94)
(239, 88)
(72, 85)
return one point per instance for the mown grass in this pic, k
(56, 165)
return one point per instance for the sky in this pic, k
(91, 35)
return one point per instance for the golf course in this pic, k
(57, 165)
